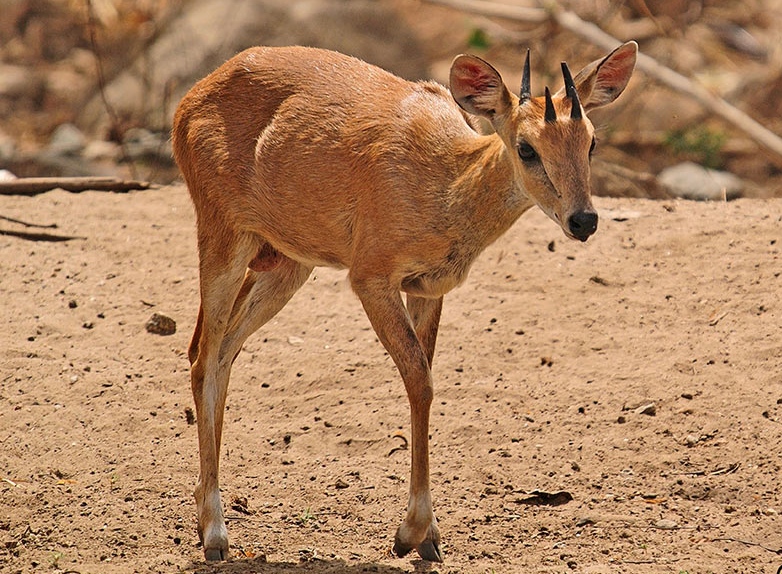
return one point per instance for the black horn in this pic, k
(572, 93)
(526, 93)
(551, 113)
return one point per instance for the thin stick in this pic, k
(46, 237)
(27, 224)
(748, 543)
(649, 66)
(112, 113)
(533, 15)
(36, 185)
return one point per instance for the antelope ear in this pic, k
(602, 81)
(478, 88)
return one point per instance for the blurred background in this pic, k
(88, 87)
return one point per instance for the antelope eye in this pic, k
(592, 146)
(527, 152)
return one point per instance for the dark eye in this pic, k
(592, 147)
(527, 152)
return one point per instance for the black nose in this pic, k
(582, 224)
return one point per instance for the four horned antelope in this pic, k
(298, 157)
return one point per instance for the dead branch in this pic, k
(28, 224)
(532, 15)
(45, 237)
(403, 446)
(649, 66)
(36, 185)
(110, 111)
(749, 543)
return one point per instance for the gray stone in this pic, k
(140, 143)
(67, 139)
(101, 149)
(689, 180)
(19, 82)
(7, 147)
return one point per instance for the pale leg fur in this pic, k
(248, 304)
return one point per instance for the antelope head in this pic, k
(549, 138)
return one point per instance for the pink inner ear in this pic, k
(615, 70)
(473, 78)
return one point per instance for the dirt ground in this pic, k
(640, 372)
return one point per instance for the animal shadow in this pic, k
(259, 565)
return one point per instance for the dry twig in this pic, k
(748, 543)
(45, 237)
(112, 113)
(36, 185)
(403, 446)
(28, 224)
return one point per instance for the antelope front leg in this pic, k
(419, 529)
(393, 325)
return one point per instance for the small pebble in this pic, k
(649, 410)
(161, 325)
(666, 524)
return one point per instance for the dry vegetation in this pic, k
(51, 51)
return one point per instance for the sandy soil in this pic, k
(640, 372)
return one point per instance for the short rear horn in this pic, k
(572, 93)
(551, 114)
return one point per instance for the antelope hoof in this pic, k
(215, 543)
(429, 549)
(215, 554)
(401, 549)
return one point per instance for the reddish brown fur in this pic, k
(297, 157)
(266, 259)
